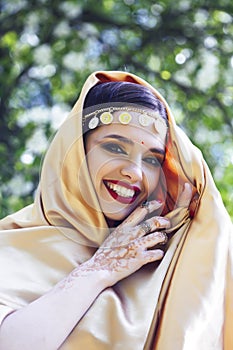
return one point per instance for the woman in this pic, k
(119, 251)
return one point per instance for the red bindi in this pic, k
(142, 142)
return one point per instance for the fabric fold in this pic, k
(184, 302)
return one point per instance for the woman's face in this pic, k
(124, 162)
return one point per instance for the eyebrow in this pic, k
(120, 138)
(130, 142)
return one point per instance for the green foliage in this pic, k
(48, 48)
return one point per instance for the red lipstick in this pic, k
(114, 192)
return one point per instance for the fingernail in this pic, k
(157, 202)
(163, 235)
(162, 222)
(160, 253)
(186, 185)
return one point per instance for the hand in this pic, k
(125, 249)
(185, 196)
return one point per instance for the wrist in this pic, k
(86, 273)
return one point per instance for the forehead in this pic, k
(147, 136)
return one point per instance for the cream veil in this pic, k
(186, 302)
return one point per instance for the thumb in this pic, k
(185, 196)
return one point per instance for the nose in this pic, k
(132, 171)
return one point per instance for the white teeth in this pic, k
(121, 191)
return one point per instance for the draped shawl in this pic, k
(183, 302)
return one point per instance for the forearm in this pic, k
(46, 322)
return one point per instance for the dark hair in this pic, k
(126, 92)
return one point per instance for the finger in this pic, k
(153, 224)
(185, 196)
(153, 239)
(158, 222)
(140, 213)
(153, 255)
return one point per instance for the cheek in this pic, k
(152, 179)
(93, 163)
(95, 160)
(100, 167)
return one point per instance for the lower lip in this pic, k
(123, 200)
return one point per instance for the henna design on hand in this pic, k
(123, 252)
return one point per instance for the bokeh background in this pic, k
(48, 48)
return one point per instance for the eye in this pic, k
(155, 162)
(113, 148)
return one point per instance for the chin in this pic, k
(114, 219)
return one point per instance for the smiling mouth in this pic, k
(124, 193)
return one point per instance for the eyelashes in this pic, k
(115, 148)
(154, 161)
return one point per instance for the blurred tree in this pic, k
(48, 48)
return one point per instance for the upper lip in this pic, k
(125, 184)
